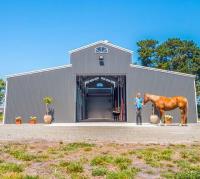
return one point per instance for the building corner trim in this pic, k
(195, 93)
(4, 112)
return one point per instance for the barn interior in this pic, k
(101, 98)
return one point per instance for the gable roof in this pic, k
(105, 42)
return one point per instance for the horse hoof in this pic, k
(182, 124)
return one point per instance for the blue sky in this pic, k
(37, 34)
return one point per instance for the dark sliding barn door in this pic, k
(99, 107)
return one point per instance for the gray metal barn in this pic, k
(99, 79)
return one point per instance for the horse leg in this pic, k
(183, 116)
(161, 115)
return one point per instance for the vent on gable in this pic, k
(101, 49)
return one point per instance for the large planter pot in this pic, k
(32, 121)
(18, 121)
(47, 119)
(154, 119)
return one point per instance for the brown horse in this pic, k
(163, 103)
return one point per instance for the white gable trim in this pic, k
(105, 42)
(163, 71)
(39, 71)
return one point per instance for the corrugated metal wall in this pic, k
(25, 94)
(86, 61)
(163, 84)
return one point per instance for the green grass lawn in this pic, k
(43, 160)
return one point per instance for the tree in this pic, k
(2, 90)
(174, 54)
(147, 51)
(178, 55)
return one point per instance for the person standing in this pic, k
(138, 105)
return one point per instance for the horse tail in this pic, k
(186, 110)
(186, 106)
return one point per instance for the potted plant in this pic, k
(47, 117)
(33, 120)
(168, 119)
(18, 120)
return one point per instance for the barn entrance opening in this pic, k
(101, 98)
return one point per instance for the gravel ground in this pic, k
(119, 134)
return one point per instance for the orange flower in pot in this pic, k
(168, 119)
(33, 120)
(47, 117)
(18, 120)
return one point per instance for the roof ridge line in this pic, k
(106, 42)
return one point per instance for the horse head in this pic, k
(146, 98)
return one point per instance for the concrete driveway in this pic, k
(99, 132)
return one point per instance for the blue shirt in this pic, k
(138, 103)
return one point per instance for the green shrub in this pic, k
(22, 155)
(122, 162)
(41, 157)
(14, 175)
(72, 167)
(168, 175)
(99, 171)
(183, 164)
(78, 176)
(10, 167)
(188, 175)
(191, 155)
(75, 146)
(30, 177)
(102, 160)
(52, 150)
(124, 174)
(154, 156)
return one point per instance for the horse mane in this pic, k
(152, 97)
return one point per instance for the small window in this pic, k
(101, 61)
(101, 49)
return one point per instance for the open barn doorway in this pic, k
(101, 98)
